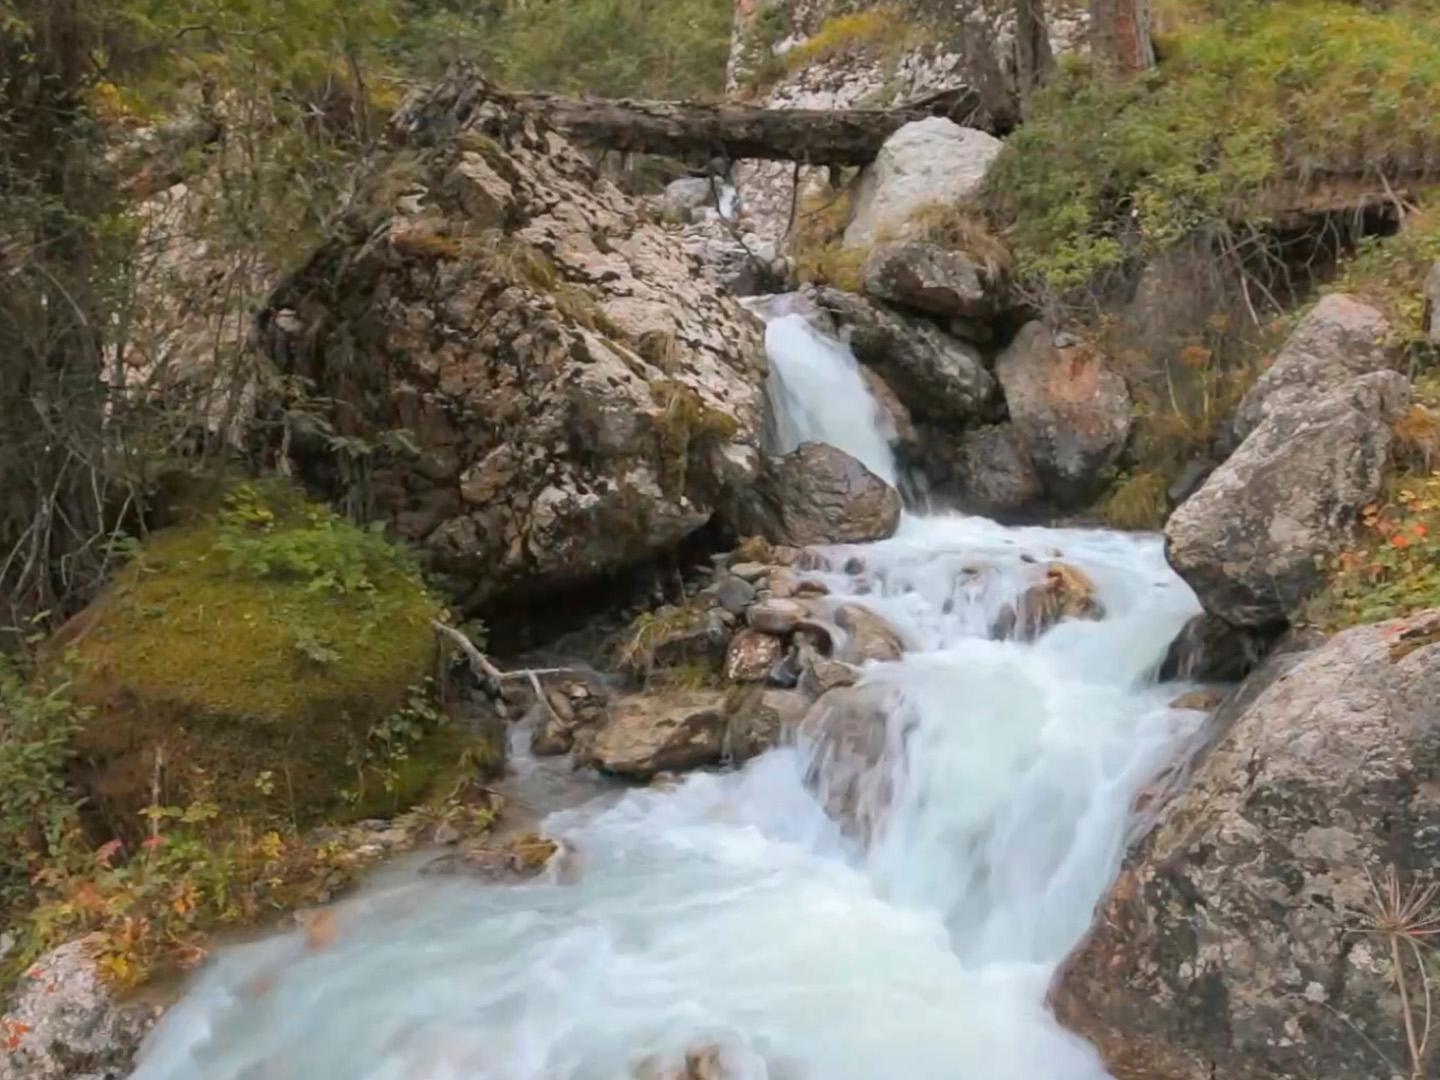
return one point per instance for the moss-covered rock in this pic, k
(263, 658)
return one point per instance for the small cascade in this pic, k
(818, 394)
(909, 932)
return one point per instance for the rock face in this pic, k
(64, 1023)
(936, 376)
(1071, 412)
(933, 162)
(928, 277)
(818, 495)
(577, 395)
(1233, 943)
(1248, 540)
(1339, 339)
(666, 732)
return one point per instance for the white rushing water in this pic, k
(730, 911)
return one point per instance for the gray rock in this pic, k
(776, 616)
(933, 162)
(1208, 649)
(928, 277)
(683, 197)
(1233, 944)
(869, 637)
(761, 719)
(936, 376)
(539, 364)
(1071, 412)
(66, 1023)
(1248, 540)
(895, 422)
(749, 571)
(662, 732)
(751, 655)
(818, 495)
(1338, 339)
(734, 593)
(993, 472)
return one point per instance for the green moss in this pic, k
(877, 31)
(1251, 95)
(231, 648)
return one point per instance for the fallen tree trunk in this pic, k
(745, 132)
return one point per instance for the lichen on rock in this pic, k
(579, 397)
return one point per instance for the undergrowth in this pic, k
(1392, 568)
(817, 246)
(1247, 96)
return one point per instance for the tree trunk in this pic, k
(1120, 35)
(1033, 58)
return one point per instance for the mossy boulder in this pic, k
(264, 658)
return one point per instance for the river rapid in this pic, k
(729, 911)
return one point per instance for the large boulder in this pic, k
(1238, 940)
(64, 1022)
(269, 635)
(993, 473)
(533, 380)
(938, 377)
(933, 162)
(1249, 540)
(662, 732)
(818, 494)
(929, 278)
(1071, 411)
(1338, 339)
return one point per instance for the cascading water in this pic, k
(730, 911)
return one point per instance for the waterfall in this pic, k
(817, 394)
(730, 911)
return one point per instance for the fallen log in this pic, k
(689, 129)
(734, 132)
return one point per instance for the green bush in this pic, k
(1256, 93)
(614, 48)
(37, 808)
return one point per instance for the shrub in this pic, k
(817, 245)
(1256, 93)
(1393, 566)
(37, 807)
(877, 31)
(613, 48)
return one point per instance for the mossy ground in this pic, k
(204, 673)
